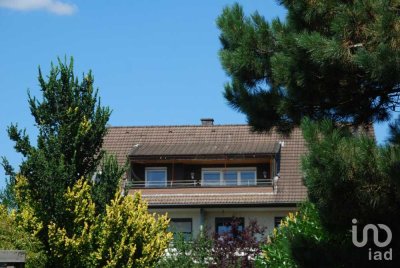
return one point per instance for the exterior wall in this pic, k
(265, 217)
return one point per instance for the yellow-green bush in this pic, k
(14, 237)
(127, 235)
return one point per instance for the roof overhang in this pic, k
(248, 205)
(223, 150)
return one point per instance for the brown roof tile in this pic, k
(205, 148)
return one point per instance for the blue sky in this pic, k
(154, 62)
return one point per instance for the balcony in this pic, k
(140, 184)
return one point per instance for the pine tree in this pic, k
(329, 59)
(349, 176)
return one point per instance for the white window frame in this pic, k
(221, 175)
(164, 169)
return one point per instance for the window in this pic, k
(211, 178)
(156, 177)
(248, 178)
(182, 226)
(229, 176)
(224, 226)
(278, 221)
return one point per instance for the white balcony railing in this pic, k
(194, 183)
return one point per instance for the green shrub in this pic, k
(278, 252)
(183, 252)
(14, 237)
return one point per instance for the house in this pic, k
(204, 175)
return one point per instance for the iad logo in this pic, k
(373, 255)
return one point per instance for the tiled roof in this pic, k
(121, 141)
(220, 196)
(205, 148)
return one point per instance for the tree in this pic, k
(72, 124)
(238, 248)
(338, 60)
(13, 236)
(348, 176)
(106, 181)
(126, 235)
(302, 225)
(188, 252)
(7, 195)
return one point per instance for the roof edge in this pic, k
(246, 205)
(167, 126)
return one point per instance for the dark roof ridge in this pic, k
(167, 126)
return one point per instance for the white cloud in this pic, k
(53, 6)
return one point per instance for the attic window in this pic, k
(229, 176)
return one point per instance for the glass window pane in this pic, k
(181, 227)
(156, 178)
(247, 178)
(224, 225)
(211, 178)
(230, 178)
(224, 229)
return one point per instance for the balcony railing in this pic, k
(193, 184)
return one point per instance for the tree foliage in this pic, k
(303, 225)
(329, 59)
(183, 252)
(348, 177)
(13, 236)
(236, 248)
(7, 195)
(106, 181)
(71, 124)
(19, 228)
(126, 235)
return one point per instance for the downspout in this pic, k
(202, 220)
(173, 172)
(277, 167)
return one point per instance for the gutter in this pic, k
(269, 205)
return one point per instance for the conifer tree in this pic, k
(329, 59)
(71, 124)
(349, 176)
(335, 61)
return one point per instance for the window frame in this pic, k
(147, 169)
(186, 235)
(229, 220)
(278, 220)
(221, 171)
